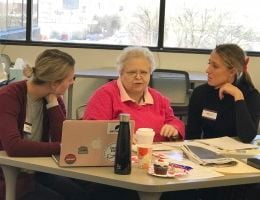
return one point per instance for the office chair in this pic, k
(80, 111)
(174, 84)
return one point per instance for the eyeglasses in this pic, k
(136, 73)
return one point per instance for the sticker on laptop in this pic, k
(112, 128)
(83, 150)
(96, 143)
(110, 152)
(70, 158)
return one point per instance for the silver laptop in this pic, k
(88, 142)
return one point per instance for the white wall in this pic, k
(91, 58)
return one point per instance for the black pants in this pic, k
(253, 192)
(53, 187)
(180, 195)
(237, 192)
(98, 191)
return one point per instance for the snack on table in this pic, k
(160, 167)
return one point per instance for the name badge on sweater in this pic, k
(27, 128)
(209, 114)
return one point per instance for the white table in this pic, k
(110, 73)
(148, 187)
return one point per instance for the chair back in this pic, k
(5, 60)
(80, 111)
(174, 84)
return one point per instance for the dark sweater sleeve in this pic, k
(247, 117)
(10, 135)
(193, 130)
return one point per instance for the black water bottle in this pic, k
(123, 147)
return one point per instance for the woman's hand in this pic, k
(234, 91)
(169, 131)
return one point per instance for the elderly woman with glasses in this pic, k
(131, 94)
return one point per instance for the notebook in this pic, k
(88, 142)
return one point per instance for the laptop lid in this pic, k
(89, 142)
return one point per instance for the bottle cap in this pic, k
(124, 117)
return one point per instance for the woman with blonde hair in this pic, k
(228, 104)
(31, 115)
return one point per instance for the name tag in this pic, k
(209, 114)
(27, 128)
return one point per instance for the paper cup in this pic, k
(144, 155)
(144, 136)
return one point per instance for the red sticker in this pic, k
(143, 151)
(70, 158)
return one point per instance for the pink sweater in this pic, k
(106, 103)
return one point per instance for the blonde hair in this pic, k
(50, 65)
(129, 53)
(234, 57)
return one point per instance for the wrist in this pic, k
(239, 96)
(52, 103)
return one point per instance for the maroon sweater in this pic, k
(13, 99)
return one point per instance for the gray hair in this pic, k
(135, 52)
(50, 65)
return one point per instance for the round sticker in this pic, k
(70, 158)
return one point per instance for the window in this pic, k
(13, 19)
(100, 22)
(71, 4)
(165, 25)
(200, 24)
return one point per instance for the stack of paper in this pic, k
(227, 143)
(204, 156)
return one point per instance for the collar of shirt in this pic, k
(148, 99)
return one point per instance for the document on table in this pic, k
(198, 172)
(161, 147)
(239, 168)
(155, 147)
(227, 143)
(241, 153)
(203, 155)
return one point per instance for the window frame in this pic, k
(158, 48)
